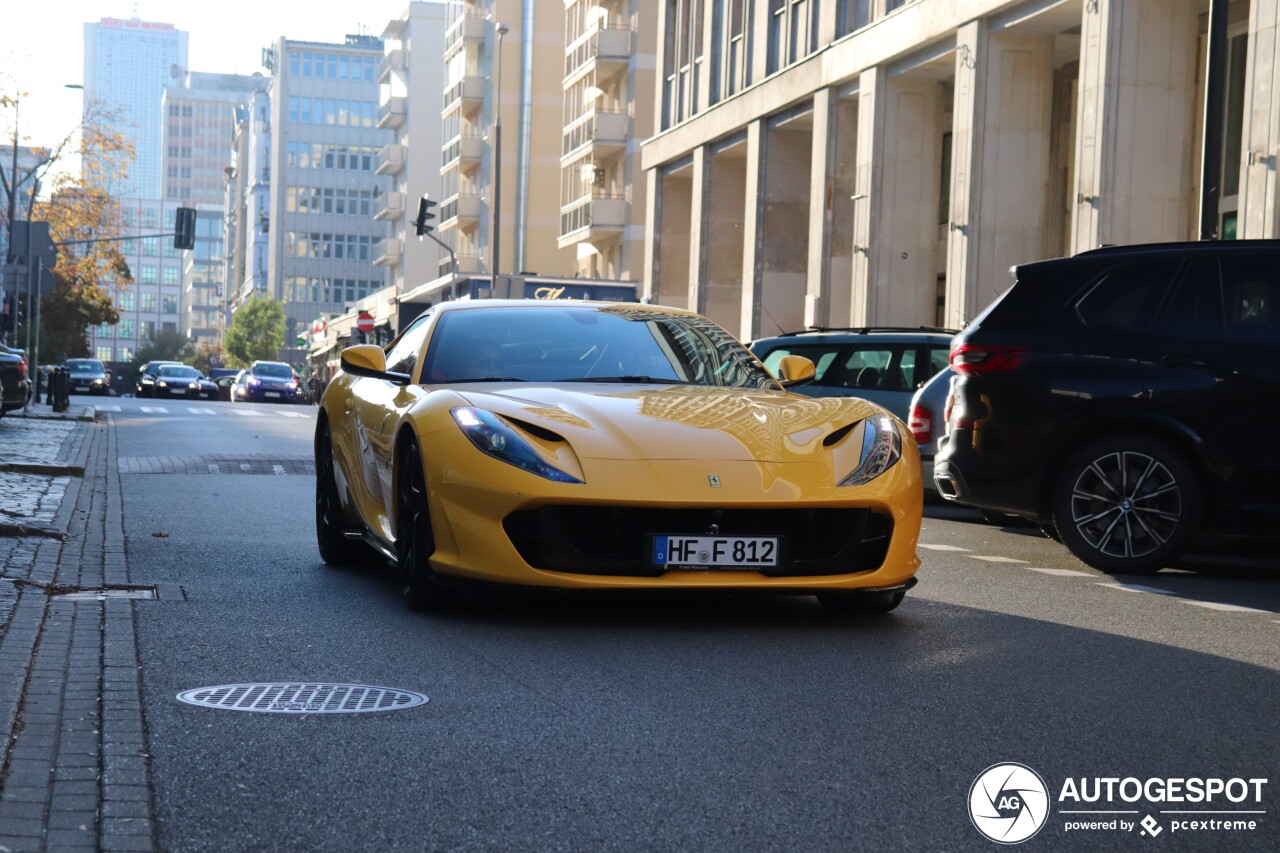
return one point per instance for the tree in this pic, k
(256, 332)
(164, 346)
(77, 209)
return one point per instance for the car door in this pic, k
(1219, 372)
(378, 405)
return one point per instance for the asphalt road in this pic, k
(668, 723)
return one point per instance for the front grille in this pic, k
(607, 540)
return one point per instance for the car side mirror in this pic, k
(369, 360)
(795, 370)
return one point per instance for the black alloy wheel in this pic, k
(1127, 504)
(415, 543)
(845, 603)
(335, 548)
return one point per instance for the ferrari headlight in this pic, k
(490, 435)
(881, 448)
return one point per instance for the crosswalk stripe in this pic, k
(295, 414)
(941, 547)
(245, 414)
(107, 408)
(1060, 572)
(994, 559)
(1133, 587)
(155, 410)
(1226, 608)
(196, 411)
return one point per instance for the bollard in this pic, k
(61, 388)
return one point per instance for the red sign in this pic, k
(364, 321)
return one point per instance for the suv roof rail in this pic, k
(863, 330)
(1183, 245)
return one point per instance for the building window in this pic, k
(169, 303)
(169, 276)
(102, 353)
(127, 301)
(148, 274)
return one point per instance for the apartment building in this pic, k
(247, 203)
(885, 162)
(412, 80)
(609, 82)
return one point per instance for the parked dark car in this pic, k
(88, 376)
(267, 381)
(1125, 399)
(15, 383)
(176, 380)
(882, 364)
(223, 385)
(208, 389)
(146, 384)
(927, 421)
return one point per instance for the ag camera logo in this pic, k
(1008, 803)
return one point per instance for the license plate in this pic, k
(715, 551)
(273, 393)
(82, 387)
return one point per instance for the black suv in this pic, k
(1125, 399)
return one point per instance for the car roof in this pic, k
(490, 304)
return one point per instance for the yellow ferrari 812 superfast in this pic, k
(600, 445)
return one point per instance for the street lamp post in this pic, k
(497, 157)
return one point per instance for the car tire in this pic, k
(415, 541)
(335, 548)
(1126, 504)
(845, 603)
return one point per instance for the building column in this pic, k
(895, 215)
(752, 229)
(1259, 215)
(652, 240)
(1000, 168)
(699, 208)
(1136, 111)
(821, 187)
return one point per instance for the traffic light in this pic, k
(184, 230)
(426, 213)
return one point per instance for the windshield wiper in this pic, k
(477, 379)
(647, 380)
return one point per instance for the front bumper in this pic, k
(270, 394)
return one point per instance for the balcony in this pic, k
(390, 206)
(390, 159)
(387, 252)
(600, 133)
(469, 27)
(599, 217)
(606, 52)
(467, 94)
(462, 211)
(468, 264)
(393, 61)
(391, 112)
(465, 150)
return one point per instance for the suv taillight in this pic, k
(972, 360)
(920, 422)
(22, 367)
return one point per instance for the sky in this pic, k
(42, 45)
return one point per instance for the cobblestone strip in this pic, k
(77, 773)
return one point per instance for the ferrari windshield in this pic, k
(588, 343)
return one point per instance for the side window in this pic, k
(939, 359)
(1126, 297)
(1195, 312)
(403, 354)
(822, 357)
(866, 368)
(1251, 298)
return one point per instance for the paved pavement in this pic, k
(75, 774)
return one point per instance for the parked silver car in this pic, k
(928, 422)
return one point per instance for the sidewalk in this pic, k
(75, 774)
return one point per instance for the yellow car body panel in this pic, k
(634, 446)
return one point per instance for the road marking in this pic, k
(1226, 608)
(213, 468)
(295, 415)
(1060, 572)
(245, 414)
(155, 409)
(107, 408)
(941, 547)
(245, 466)
(995, 559)
(277, 469)
(1133, 587)
(196, 411)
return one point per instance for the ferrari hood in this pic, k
(674, 422)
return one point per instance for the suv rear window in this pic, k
(1126, 297)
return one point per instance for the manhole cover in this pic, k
(292, 698)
